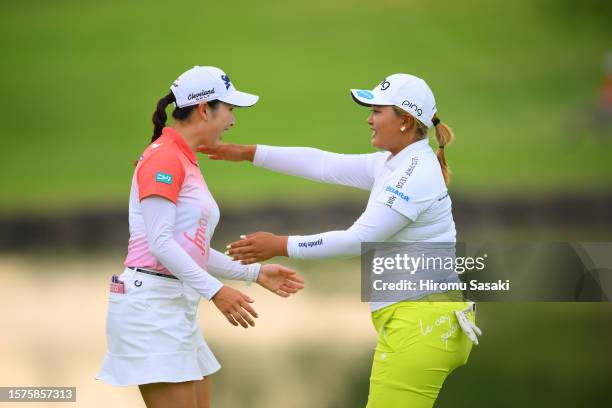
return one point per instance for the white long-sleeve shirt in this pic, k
(159, 218)
(173, 217)
(408, 201)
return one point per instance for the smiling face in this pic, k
(385, 124)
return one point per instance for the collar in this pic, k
(180, 143)
(394, 161)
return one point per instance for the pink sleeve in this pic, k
(161, 174)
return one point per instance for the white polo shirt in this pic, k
(412, 184)
(408, 201)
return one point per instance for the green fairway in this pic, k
(80, 80)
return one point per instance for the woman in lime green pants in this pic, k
(419, 343)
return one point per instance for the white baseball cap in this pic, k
(405, 91)
(202, 84)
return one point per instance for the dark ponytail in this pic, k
(160, 117)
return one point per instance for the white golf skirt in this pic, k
(153, 334)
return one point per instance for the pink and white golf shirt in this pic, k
(168, 168)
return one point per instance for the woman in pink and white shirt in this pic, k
(153, 337)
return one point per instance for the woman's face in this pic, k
(385, 125)
(218, 121)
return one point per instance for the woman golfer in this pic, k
(153, 336)
(419, 343)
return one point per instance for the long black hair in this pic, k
(160, 117)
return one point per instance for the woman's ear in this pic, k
(407, 121)
(203, 110)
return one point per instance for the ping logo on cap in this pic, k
(365, 94)
(165, 178)
(413, 106)
(226, 79)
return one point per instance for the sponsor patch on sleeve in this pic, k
(395, 193)
(162, 177)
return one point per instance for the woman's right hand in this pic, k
(234, 305)
(229, 152)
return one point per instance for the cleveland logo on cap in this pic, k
(202, 94)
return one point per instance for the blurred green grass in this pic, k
(80, 80)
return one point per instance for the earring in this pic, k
(402, 129)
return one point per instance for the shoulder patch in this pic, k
(162, 177)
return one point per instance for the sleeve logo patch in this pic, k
(397, 193)
(163, 178)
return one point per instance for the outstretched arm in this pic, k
(222, 266)
(276, 278)
(376, 224)
(354, 170)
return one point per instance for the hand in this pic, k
(280, 280)
(257, 247)
(229, 152)
(234, 305)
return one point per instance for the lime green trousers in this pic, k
(419, 344)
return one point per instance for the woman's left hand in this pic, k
(280, 280)
(257, 247)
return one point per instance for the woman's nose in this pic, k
(370, 121)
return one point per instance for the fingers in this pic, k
(293, 277)
(286, 271)
(244, 319)
(282, 293)
(291, 274)
(239, 244)
(293, 285)
(245, 253)
(235, 306)
(288, 289)
(206, 149)
(247, 257)
(251, 260)
(230, 319)
(240, 250)
(249, 309)
(239, 316)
